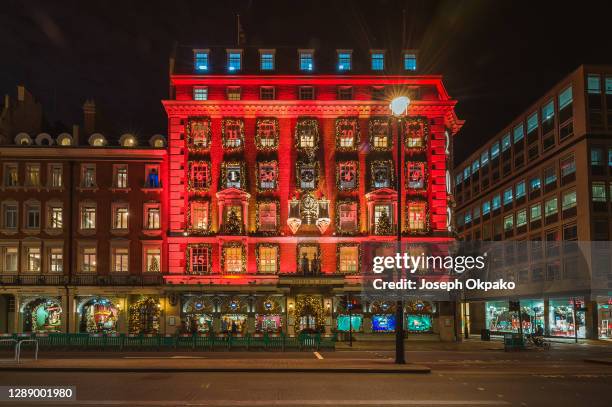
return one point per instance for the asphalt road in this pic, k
(485, 378)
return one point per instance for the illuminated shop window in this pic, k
(348, 178)
(200, 60)
(417, 215)
(233, 261)
(200, 93)
(348, 217)
(348, 259)
(198, 133)
(306, 60)
(199, 259)
(378, 61)
(267, 216)
(199, 175)
(267, 258)
(198, 216)
(267, 174)
(415, 175)
(344, 60)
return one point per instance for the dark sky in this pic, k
(497, 57)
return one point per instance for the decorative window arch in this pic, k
(157, 141)
(64, 140)
(23, 139)
(44, 139)
(128, 140)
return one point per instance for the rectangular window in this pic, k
(32, 212)
(347, 175)
(198, 211)
(345, 92)
(417, 214)
(520, 189)
(410, 62)
(32, 176)
(550, 176)
(268, 259)
(382, 173)
(233, 176)
(379, 93)
(56, 215)
(11, 177)
(348, 259)
(88, 217)
(121, 176)
(536, 212)
(9, 220)
(200, 62)
(88, 176)
(152, 259)
(306, 93)
(496, 202)
(200, 93)
(519, 132)
(120, 217)
(347, 217)
(199, 175)
(266, 60)
(565, 98)
(535, 184)
(306, 60)
(382, 214)
(598, 191)
(466, 173)
(121, 260)
(378, 61)
(475, 166)
(11, 259)
(33, 262)
(548, 111)
(568, 166)
(232, 259)
(484, 158)
(532, 122)
(266, 212)
(56, 175)
(152, 216)
(508, 223)
(594, 84)
(494, 150)
(467, 219)
(267, 175)
(234, 61)
(267, 93)
(199, 258)
(521, 218)
(506, 142)
(597, 157)
(486, 208)
(569, 200)
(415, 175)
(234, 92)
(56, 259)
(508, 196)
(344, 61)
(233, 133)
(550, 207)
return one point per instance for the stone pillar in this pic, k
(546, 317)
(17, 325)
(446, 321)
(591, 320)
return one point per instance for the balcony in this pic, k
(96, 280)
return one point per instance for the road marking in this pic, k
(280, 403)
(318, 355)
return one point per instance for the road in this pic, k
(458, 378)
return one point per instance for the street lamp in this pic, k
(399, 109)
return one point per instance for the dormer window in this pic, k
(266, 59)
(234, 60)
(344, 60)
(200, 60)
(410, 61)
(378, 60)
(306, 60)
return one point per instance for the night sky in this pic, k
(497, 57)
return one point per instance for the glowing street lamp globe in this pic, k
(399, 105)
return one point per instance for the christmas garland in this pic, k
(231, 122)
(268, 201)
(304, 124)
(339, 186)
(233, 244)
(348, 122)
(270, 306)
(305, 303)
(339, 246)
(190, 228)
(260, 135)
(387, 164)
(377, 126)
(258, 175)
(339, 231)
(243, 178)
(270, 245)
(407, 176)
(197, 125)
(298, 168)
(406, 224)
(234, 305)
(416, 128)
(145, 306)
(190, 184)
(190, 246)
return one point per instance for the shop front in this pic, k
(500, 319)
(197, 314)
(234, 315)
(268, 316)
(419, 316)
(349, 314)
(564, 316)
(98, 315)
(383, 317)
(42, 314)
(604, 316)
(144, 315)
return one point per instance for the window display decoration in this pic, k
(99, 315)
(307, 135)
(198, 176)
(346, 323)
(232, 134)
(233, 175)
(340, 219)
(198, 258)
(307, 175)
(309, 305)
(416, 175)
(274, 232)
(382, 174)
(339, 246)
(419, 323)
(267, 176)
(144, 316)
(418, 306)
(382, 307)
(198, 134)
(266, 134)
(416, 132)
(383, 226)
(232, 224)
(308, 211)
(257, 259)
(194, 229)
(347, 176)
(383, 323)
(234, 305)
(45, 315)
(307, 264)
(234, 244)
(270, 305)
(380, 134)
(347, 134)
(408, 230)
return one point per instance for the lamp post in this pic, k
(399, 109)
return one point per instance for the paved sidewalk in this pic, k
(195, 364)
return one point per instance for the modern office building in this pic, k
(546, 177)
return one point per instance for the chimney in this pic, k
(20, 93)
(75, 134)
(7, 102)
(89, 117)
